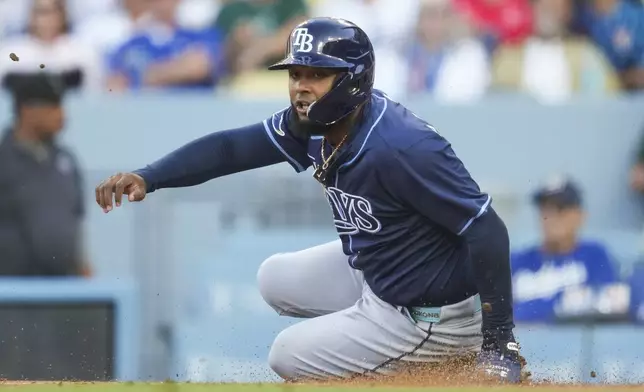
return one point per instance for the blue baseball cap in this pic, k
(558, 191)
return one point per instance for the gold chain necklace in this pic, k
(320, 172)
(326, 161)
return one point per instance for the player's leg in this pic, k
(372, 337)
(310, 283)
(456, 330)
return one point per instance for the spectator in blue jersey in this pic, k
(562, 261)
(617, 26)
(164, 55)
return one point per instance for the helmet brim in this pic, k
(316, 60)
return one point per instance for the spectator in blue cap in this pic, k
(562, 260)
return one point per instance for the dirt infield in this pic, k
(457, 372)
(374, 385)
(457, 375)
(460, 375)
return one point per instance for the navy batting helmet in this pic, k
(333, 43)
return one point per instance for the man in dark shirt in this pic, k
(418, 239)
(41, 208)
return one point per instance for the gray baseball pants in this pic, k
(348, 330)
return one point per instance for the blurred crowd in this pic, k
(454, 50)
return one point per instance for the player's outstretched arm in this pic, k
(211, 156)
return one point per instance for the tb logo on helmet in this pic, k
(303, 40)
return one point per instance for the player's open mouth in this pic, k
(302, 107)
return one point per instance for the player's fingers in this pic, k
(136, 194)
(119, 189)
(100, 200)
(108, 191)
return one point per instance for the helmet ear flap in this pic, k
(334, 101)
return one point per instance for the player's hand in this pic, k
(110, 192)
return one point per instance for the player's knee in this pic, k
(268, 281)
(284, 354)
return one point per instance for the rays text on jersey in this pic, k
(351, 214)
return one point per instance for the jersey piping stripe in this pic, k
(384, 109)
(481, 211)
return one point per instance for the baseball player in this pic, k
(420, 245)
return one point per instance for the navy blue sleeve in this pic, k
(489, 245)
(293, 148)
(211, 156)
(434, 182)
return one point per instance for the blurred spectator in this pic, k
(617, 26)
(162, 54)
(48, 42)
(41, 202)
(256, 30)
(446, 61)
(552, 64)
(106, 32)
(562, 261)
(499, 21)
(390, 28)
